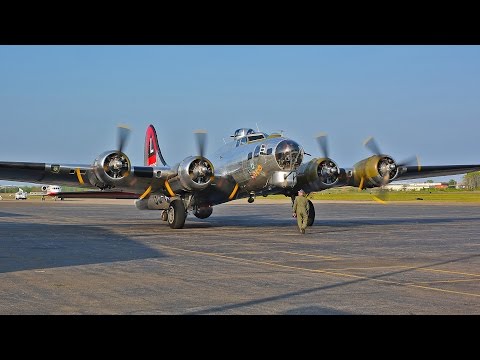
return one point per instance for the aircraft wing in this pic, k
(73, 175)
(412, 172)
(97, 195)
(316, 175)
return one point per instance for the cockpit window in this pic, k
(289, 155)
(255, 137)
(243, 132)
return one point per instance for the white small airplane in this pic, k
(51, 190)
(48, 190)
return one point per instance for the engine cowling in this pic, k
(111, 169)
(44, 187)
(318, 174)
(194, 173)
(372, 171)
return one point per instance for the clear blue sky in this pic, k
(62, 103)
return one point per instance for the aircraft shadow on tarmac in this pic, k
(7, 214)
(40, 246)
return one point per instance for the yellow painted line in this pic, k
(79, 176)
(443, 290)
(233, 192)
(169, 189)
(318, 271)
(298, 260)
(377, 199)
(372, 268)
(449, 272)
(441, 281)
(246, 252)
(146, 192)
(310, 255)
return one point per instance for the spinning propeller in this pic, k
(201, 169)
(327, 169)
(387, 168)
(123, 135)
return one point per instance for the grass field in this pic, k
(441, 196)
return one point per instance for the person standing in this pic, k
(300, 210)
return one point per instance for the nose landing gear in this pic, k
(251, 198)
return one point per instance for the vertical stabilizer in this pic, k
(153, 155)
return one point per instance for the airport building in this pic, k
(416, 186)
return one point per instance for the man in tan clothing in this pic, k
(300, 210)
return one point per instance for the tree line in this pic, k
(472, 180)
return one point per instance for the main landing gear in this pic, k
(311, 213)
(176, 214)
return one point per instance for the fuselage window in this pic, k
(263, 149)
(257, 151)
(269, 151)
(249, 156)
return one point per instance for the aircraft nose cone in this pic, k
(288, 155)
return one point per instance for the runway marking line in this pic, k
(449, 272)
(310, 255)
(319, 271)
(441, 281)
(370, 268)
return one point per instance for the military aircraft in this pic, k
(253, 163)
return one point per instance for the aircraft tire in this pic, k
(311, 213)
(164, 215)
(176, 214)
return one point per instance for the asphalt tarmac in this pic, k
(106, 257)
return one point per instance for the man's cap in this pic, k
(301, 191)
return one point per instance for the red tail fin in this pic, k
(153, 155)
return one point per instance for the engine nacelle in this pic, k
(44, 188)
(154, 202)
(110, 169)
(374, 171)
(194, 173)
(318, 174)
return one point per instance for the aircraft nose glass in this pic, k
(288, 155)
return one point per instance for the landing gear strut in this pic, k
(251, 198)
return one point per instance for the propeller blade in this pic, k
(412, 160)
(382, 195)
(201, 139)
(123, 134)
(372, 145)
(322, 143)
